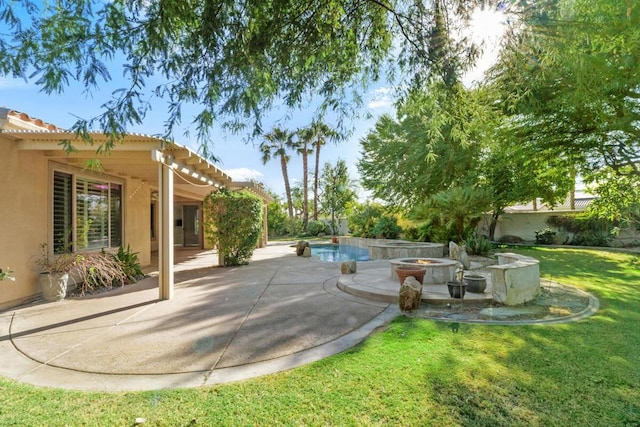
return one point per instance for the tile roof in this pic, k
(24, 121)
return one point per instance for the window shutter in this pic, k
(62, 212)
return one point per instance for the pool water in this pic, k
(339, 253)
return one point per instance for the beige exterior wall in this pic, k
(523, 225)
(23, 219)
(25, 207)
(137, 217)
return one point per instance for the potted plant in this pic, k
(54, 272)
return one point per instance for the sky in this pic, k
(241, 160)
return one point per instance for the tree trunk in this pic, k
(287, 187)
(305, 187)
(492, 226)
(315, 181)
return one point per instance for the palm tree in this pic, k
(319, 132)
(304, 137)
(275, 144)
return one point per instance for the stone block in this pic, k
(348, 267)
(517, 281)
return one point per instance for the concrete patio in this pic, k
(224, 324)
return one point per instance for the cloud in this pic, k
(379, 103)
(380, 98)
(8, 83)
(244, 174)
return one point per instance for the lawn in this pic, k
(416, 372)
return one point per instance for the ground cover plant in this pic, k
(416, 372)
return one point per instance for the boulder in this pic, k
(463, 257)
(348, 267)
(300, 247)
(410, 294)
(453, 250)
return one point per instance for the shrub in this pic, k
(276, 218)
(363, 218)
(545, 236)
(587, 230)
(591, 238)
(315, 228)
(101, 270)
(129, 264)
(387, 228)
(292, 227)
(508, 238)
(234, 224)
(421, 233)
(479, 245)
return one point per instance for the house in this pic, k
(147, 194)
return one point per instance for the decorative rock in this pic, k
(410, 294)
(453, 250)
(463, 257)
(348, 267)
(306, 253)
(300, 247)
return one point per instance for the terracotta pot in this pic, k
(405, 271)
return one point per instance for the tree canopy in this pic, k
(233, 60)
(570, 81)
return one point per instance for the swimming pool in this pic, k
(339, 253)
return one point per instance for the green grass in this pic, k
(416, 372)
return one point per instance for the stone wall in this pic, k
(390, 249)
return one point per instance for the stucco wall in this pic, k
(137, 227)
(24, 209)
(525, 225)
(23, 219)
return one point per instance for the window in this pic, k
(87, 213)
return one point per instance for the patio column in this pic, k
(265, 228)
(165, 247)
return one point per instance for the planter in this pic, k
(406, 271)
(475, 284)
(456, 289)
(54, 286)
